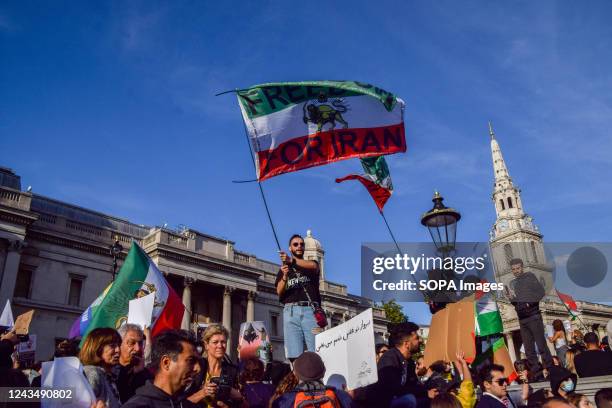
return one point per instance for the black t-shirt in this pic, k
(592, 363)
(294, 292)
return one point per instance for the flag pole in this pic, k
(425, 293)
(399, 251)
(263, 196)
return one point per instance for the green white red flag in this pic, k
(138, 277)
(377, 179)
(569, 302)
(488, 318)
(489, 332)
(297, 125)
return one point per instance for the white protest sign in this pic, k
(140, 310)
(6, 319)
(348, 352)
(66, 372)
(568, 326)
(549, 330)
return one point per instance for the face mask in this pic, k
(568, 386)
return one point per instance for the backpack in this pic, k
(324, 398)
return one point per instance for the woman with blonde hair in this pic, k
(100, 358)
(218, 379)
(570, 355)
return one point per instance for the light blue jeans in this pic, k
(298, 322)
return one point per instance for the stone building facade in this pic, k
(55, 259)
(515, 235)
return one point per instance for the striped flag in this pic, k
(138, 277)
(569, 301)
(297, 125)
(489, 329)
(377, 179)
(488, 319)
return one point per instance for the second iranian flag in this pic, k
(296, 125)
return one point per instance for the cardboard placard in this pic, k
(22, 323)
(452, 329)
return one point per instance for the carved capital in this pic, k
(251, 295)
(17, 246)
(188, 281)
(228, 290)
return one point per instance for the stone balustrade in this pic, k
(15, 198)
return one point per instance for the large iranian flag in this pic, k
(138, 277)
(296, 125)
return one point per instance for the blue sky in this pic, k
(109, 105)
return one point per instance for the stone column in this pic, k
(250, 312)
(511, 349)
(227, 314)
(186, 323)
(330, 319)
(11, 268)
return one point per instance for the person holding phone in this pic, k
(216, 384)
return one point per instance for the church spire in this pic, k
(500, 171)
(506, 195)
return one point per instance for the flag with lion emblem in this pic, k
(138, 277)
(297, 125)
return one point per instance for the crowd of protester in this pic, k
(126, 368)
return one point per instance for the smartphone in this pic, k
(223, 387)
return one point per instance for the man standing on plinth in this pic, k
(525, 294)
(297, 286)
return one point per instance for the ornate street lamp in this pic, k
(115, 250)
(441, 222)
